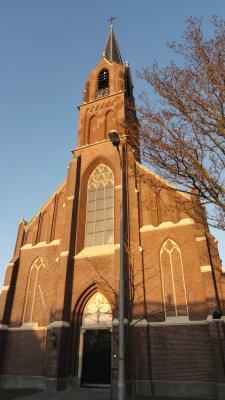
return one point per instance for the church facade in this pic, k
(59, 302)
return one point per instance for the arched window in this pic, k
(28, 237)
(59, 221)
(35, 306)
(103, 84)
(44, 228)
(109, 122)
(93, 130)
(97, 311)
(100, 207)
(103, 79)
(173, 283)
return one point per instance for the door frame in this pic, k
(83, 329)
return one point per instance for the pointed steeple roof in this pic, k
(112, 52)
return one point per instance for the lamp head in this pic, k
(114, 137)
(217, 314)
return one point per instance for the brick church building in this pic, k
(59, 302)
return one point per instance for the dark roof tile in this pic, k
(112, 52)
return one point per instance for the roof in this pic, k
(112, 52)
(164, 181)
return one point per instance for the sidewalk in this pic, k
(141, 397)
(29, 394)
(9, 394)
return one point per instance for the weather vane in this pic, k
(111, 20)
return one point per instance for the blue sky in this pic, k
(48, 48)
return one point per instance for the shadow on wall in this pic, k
(178, 351)
(29, 352)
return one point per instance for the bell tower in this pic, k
(108, 95)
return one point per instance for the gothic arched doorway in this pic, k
(95, 343)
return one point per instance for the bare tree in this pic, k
(183, 136)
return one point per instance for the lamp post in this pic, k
(114, 137)
(216, 316)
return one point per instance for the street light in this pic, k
(216, 316)
(114, 137)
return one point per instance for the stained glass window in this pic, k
(100, 207)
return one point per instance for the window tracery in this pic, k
(35, 307)
(100, 207)
(97, 310)
(173, 283)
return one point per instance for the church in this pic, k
(59, 306)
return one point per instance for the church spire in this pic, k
(112, 52)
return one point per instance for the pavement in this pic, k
(9, 394)
(29, 394)
(140, 397)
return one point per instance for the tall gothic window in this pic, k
(35, 306)
(100, 207)
(173, 282)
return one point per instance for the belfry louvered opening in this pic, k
(103, 79)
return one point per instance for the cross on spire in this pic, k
(111, 20)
